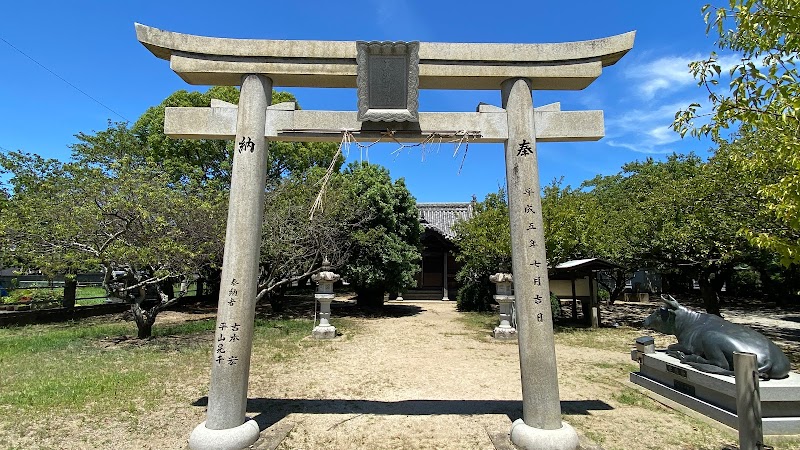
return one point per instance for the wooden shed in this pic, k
(576, 281)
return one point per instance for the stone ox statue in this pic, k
(707, 342)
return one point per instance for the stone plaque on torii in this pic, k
(387, 75)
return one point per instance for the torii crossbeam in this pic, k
(258, 65)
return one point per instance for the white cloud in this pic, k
(646, 129)
(670, 74)
(647, 150)
(661, 87)
(667, 74)
(663, 135)
(727, 61)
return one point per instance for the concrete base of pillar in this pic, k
(529, 438)
(237, 438)
(324, 332)
(505, 333)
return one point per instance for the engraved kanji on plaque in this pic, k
(387, 79)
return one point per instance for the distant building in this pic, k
(576, 282)
(437, 279)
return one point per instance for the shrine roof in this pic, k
(589, 264)
(442, 216)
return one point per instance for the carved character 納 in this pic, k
(707, 342)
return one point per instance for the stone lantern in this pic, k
(324, 295)
(505, 298)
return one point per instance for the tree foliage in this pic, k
(32, 227)
(680, 216)
(484, 243)
(385, 247)
(150, 210)
(210, 160)
(201, 160)
(121, 215)
(760, 111)
(293, 243)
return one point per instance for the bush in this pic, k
(37, 297)
(479, 297)
(745, 282)
(475, 295)
(555, 305)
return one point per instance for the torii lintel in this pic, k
(489, 124)
(202, 60)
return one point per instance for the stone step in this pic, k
(423, 294)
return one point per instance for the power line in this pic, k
(62, 79)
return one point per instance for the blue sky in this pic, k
(92, 45)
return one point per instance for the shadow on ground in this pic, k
(271, 411)
(303, 306)
(387, 311)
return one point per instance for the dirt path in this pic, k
(419, 380)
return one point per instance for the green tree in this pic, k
(4, 197)
(680, 216)
(484, 243)
(294, 243)
(33, 231)
(593, 221)
(124, 217)
(202, 160)
(761, 106)
(210, 160)
(385, 247)
(171, 234)
(683, 216)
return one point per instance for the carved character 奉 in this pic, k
(707, 342)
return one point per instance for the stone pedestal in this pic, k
(715, 396)
(505, 299)
(324, 330)
(324, 296)
(530, 438)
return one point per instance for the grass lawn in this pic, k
(96, 367)
(90, 295)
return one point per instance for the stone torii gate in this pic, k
(388, 76)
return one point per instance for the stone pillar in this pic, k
(226, 426)
(574, 301)
(540, 426)
(594, 306)
(444, 276)
(505, 298)
(748, 401)
(324, 296)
